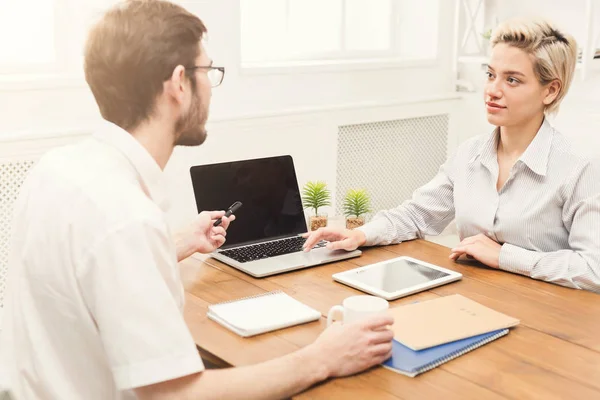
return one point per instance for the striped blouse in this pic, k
(546, 216)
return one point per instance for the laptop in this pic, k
(265, 238)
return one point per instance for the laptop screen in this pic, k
(268, 190)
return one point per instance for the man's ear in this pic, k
(552, 90)
(174, 87)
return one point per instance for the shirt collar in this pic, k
(537, 153)
(487, 153)
(150, 175)
(535, 156)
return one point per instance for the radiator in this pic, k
(390, 159)
(12, 175)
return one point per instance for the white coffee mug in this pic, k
(356, 308)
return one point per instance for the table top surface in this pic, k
(553, 354)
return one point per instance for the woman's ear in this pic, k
(551, 91)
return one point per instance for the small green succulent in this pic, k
(356, 203)
(316, 195)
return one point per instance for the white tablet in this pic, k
(397, 277)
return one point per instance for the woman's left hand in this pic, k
(480, 247)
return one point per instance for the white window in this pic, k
(27, 35)
(280, 31)
(45, 36)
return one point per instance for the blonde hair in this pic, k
(554, 52)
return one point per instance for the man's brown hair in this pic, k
(132, 50)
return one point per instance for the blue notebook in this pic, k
(412, 363)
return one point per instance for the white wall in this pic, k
(287, 112)
(311, 138)
(252, 114)
(67, 102)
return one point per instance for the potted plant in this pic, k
(356, 204)
(316, 195)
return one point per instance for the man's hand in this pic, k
(345, 239)
(349, 349)
(340, 350)
(201, 236)
(480, 247)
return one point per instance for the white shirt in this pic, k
(546, 216)
(95, 300)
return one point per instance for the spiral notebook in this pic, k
(265, 312)
(412, 363)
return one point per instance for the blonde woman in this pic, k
(523, 200)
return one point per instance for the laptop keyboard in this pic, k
(268, 249)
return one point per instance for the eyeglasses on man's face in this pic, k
(215, 74)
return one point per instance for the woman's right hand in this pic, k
(344, 239)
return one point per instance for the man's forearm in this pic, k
(183, 246)
(274, 379)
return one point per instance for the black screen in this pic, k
(268, 190)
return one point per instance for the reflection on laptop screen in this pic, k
(268, 189)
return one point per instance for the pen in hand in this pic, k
(232, 209)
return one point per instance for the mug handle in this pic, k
(331, 313)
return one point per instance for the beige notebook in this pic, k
(443, 320)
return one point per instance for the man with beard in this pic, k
(94, 304)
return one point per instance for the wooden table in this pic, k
(553, 354)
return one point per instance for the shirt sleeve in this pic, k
(429, 211)
(128, 282)
(579, 265)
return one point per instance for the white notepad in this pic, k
(262, 313)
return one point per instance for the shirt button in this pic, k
(490, 233)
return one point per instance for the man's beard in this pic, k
(191, 127)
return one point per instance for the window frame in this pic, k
(345, 59)
(60, 47)
(66, 70)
